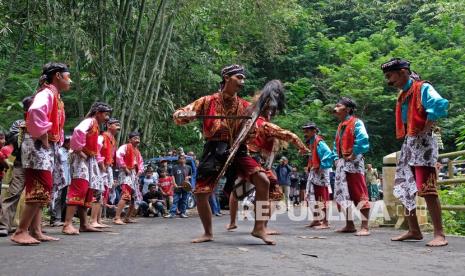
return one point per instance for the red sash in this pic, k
(416, 114)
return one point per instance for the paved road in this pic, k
(157, 246)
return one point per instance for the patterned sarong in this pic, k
(320, 178)
(341, 188)
(419, 150)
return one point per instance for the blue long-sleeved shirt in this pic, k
(435, 105)
(361, 143)
(324, 153)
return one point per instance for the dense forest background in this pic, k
(148, 57)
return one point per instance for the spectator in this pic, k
(371, 178)
(167, 185)
(192, 154)
(165, 166)
(150, 177)
(283, 172)
(153, 202)
(58, 206)
(214, 201)
(182, 174)
(295, 186)
(303, 184)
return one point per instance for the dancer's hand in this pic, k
(185, 115)
(44, 140)
(83, 155)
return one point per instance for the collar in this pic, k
(407, 85)
(348, 117)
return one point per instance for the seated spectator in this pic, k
(153, 203)
(150, 177)
(167, 185)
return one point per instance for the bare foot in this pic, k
(230, 227)
(23, 238)
(118, 222)
(437, 241)
(89, 228)
(408, 236)
(347, 229)
(263, 236)
(69, 230)
(272, 232)
(363, 232)
(322, 226)
(103, 225)
(43, 238)
(203, 238)
(128, 220)
(314, 223)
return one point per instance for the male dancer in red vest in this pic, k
(131, 165)
(350, 144)
(220, 134)
(107, 149)
(418, 107)
(319, 165)
(85, 173)
(44, 122)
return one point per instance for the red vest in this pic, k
(131, 155)
(416, 114)
(107, 151)
(346, 145)
(213, 128)
(314, 162)
(91, 147)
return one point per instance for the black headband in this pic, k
(112, 121)
(395, 64)
(232, 70)
(134, 134)
(347, 102)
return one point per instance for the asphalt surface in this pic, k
(157, 246)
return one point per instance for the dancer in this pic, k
(44, 122)
(86, 180)
(350, 144)
(418, 107)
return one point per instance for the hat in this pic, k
(395, 64)
(309, 125)
(134, 134)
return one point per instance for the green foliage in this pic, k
(454, 221)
